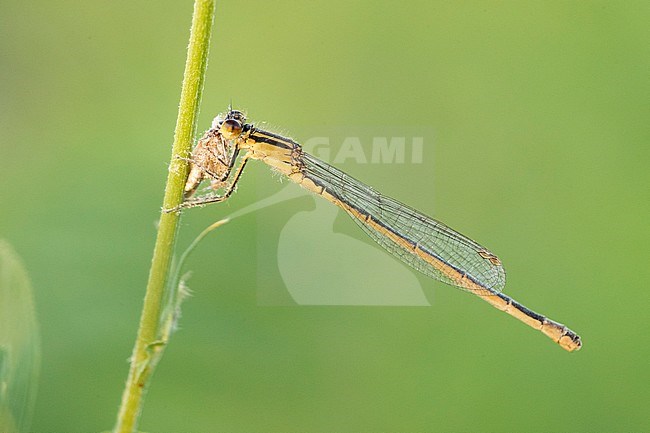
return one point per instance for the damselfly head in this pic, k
(231, 127)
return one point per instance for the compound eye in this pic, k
(230, 129)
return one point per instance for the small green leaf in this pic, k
(19, 344)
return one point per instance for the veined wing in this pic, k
(423, 243)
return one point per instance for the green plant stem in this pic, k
(147, 346)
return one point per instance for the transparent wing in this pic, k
(411, 226)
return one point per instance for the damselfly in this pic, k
(423, 243)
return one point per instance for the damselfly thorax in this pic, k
(212, 159)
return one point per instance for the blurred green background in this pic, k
(540, 112)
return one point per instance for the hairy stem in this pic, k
(148, 346)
